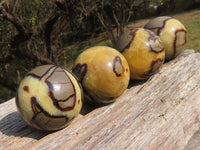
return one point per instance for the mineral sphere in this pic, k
(103, 72)
(49, 97)
(143, 51)
(172, 33)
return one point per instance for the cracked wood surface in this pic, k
(160, 113)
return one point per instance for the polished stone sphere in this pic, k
(143, 51)
(171, 32)
(49, 97)
(103, 72)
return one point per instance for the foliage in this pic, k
(52, 32)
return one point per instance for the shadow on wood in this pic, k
(13, 125)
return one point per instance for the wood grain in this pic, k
(161, 113)
(194, 143)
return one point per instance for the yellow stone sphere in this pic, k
(172, 33)
(143, 51)
(103, 72)
(49, 97)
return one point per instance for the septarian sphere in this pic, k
(49, 97)
(172, 33)
(143, 51)
(103, 72)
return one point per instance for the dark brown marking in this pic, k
(26, 89)
(133, 33)
(33, 100)
(176, 33)
(56, 101)
(79, 101)
(40, 77)
(61, 100)
(154, 43)
(35, 106)
(80, 71)
(117, 66)
(154, 69)
(162, 27)
(49, 83)
(155, 65)
(38, 110)
(159, 29)
(126, 69)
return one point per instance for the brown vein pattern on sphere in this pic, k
(66, 86)
(58, 98)
(144, 48)
(171, 32)
(155, 65)
(175, 40)
(124, 44)
(118, 69)
(133, 36)
(40, 73)
(80, 70)
(154, 43)
(40, 114)
(103, 72)
(164, 19)
(49, 97)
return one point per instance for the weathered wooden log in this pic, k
(194, 143)
(161, 113)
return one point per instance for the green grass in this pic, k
(192, 25)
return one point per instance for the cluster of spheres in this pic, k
(50, 97)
